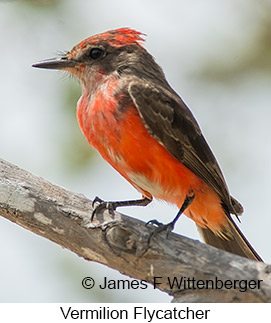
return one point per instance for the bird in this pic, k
(132, 116)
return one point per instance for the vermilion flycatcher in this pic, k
(140, 126)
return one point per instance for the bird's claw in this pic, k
(96, 200)
(102, 205)
(159, 227)
(154, 222)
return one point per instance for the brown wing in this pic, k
(169, 120)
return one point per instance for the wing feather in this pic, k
(169, 120)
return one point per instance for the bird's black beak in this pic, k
(56, 63)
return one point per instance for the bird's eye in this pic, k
(96, 53)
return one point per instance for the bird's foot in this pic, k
(99, 205)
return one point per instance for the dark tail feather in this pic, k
(237, 245)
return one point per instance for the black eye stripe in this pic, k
(96, 53)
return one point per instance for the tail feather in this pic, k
(238, 245)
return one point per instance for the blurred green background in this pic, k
(216, 55)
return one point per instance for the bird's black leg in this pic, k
(170, 226)
(111, 206)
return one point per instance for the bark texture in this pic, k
(121, 242)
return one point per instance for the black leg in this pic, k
(170, 226)
(111, 206)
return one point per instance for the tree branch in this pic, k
(121, 242)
